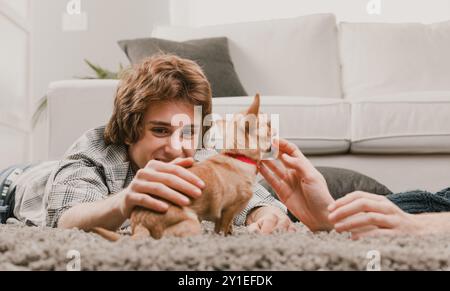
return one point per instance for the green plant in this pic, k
(102, 73)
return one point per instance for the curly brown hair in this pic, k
(162, 77)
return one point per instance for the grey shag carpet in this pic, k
(26, 248)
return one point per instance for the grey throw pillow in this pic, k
(211, 54)
(342, 182)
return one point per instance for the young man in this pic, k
(133, 161)
(305, 192)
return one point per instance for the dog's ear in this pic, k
(254, 108)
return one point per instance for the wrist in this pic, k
(117, 208)
(422, 224)
(321, 223)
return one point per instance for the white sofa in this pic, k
(369, 97)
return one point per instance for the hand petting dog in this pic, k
(299, 186)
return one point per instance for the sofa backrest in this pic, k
(380, 59)
(290, 57)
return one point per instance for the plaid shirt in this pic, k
(89, 172)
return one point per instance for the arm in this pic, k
(74, 182)
(103, 213)
(365, 215)
(434, 223)
(83, 202)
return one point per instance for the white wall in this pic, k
(58, 54)
(210, 12)
(14, 81)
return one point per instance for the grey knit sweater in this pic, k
(422, 202)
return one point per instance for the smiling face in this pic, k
(152, 95)
(160, 140)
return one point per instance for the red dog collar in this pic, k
(244, 159)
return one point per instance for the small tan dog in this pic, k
(229, 178)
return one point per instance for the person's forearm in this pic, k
(85, 216)
(434, 223)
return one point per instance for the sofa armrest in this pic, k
(74, 107)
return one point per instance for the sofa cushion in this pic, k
(291, 57)
(402, 123)
(211, 54)
(316, 125)
(379, 59)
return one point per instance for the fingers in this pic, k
(254, 228)
(160, 190)
(263, 226)
(288, 148)
(293, 158)
(264, 170)
(291, 150)
(363, 220)
(371, 233)
(276, 223)
(146, 201)
(295, 164)
(183, 162)
(364, 229)
(356, 206)
(276, 167)
(149, 177)
(268, 225)
(276, 183)
(270, 177)
(284, 224)
(354, 196)
(177, 171)
(163, 181)
(292, 228)
(363, 214)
